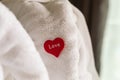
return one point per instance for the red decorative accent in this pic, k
(54, 47)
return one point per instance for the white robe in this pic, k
(47, 20)
(19, 59)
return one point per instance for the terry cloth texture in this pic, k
(1, 73)
(19, 59)
(61, 36)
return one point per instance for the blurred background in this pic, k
(103, 19)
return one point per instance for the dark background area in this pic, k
(95, 12)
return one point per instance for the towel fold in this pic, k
(19, 59)
(61, 36)
(1, 73)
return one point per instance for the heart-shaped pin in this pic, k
(54, 47)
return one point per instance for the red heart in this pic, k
(54, 47)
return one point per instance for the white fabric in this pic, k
(58, 18)
(19, 59)
(1, 73)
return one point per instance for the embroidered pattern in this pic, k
(54, 47)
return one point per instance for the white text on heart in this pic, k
(54, 46)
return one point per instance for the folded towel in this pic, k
(19, 59)
(60, 34)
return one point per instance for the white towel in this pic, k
(60, 34)
(1, 73)
(19, 59)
